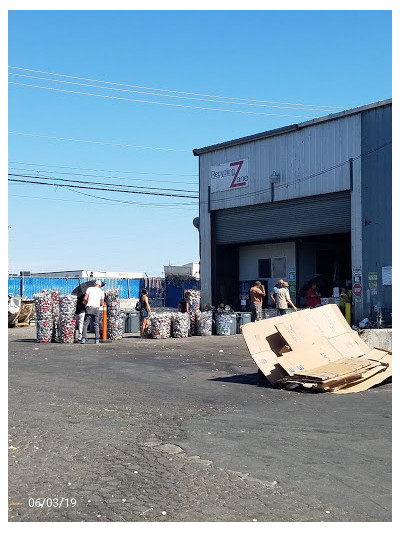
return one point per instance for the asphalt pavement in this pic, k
(177, 430)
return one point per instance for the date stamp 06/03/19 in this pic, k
(57, 503)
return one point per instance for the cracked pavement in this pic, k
(176, 430)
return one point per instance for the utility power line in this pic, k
(98, 142)
(159, 103)
(170, 204)
(102, 189)
(99, 183)
(120, 202)
(143, 180)
(175, 92)
(205, 99)
(104, 170)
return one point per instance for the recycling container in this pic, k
(269, 312)
(134, 322)
(126, 327)
(223, 324)
(131, 322)
(242, 318)
(233, 328)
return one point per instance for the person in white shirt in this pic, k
(94, 300)
(283, 298)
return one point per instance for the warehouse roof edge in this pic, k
(291, 127)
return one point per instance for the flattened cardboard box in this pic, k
(304, 330)
(338, 369)
(264, 342)
(309, 356)
(303, 326)
(339, 374)
(370, 381)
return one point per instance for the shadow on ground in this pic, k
(25, 340)
(243, 379)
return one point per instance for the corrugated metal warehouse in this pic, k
(310, 200)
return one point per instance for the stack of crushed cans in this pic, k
(67, 307)
(44, 316)
(55, 316)
(160, 325)
(194, 305)
(180, 325)
(114, 318)
(204, 322)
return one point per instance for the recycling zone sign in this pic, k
(233, 175)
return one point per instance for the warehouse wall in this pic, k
(249, 256)
(295, 156)
(376, 197)
(302, 159)
(311, 159)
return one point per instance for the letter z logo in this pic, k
(239, 166)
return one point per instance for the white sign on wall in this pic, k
(230, 176)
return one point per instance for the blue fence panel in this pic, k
(14, 286)
(174, 291)
(134, 288)
(191, 284)
(31, 286)
(71, 284)
(156, 287)
(113, 283)
(173, 295)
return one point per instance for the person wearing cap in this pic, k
(94, 300)
(275, 290)
(282, 298)
(257, 293)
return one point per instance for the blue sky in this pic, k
(320, 58)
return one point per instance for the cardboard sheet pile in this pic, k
(316, 349)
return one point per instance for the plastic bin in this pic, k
(233, 327)
(269, 312)
(132, 322)
(135, 321)
(242, 318)
(126, 327)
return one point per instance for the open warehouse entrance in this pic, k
(324, 258)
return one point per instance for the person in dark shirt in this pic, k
(183, 305)
(145, 311)
(79, 317)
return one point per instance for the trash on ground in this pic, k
(316, 350)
